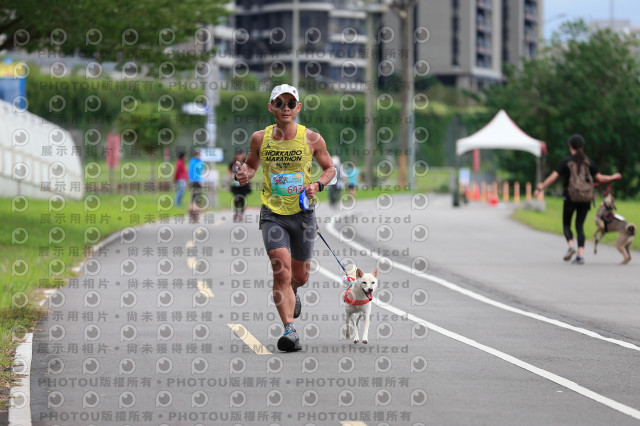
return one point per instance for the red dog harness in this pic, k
(351, 301)
(354, 302)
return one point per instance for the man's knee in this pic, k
(281, 267)
(300, 278)
(281, 273)
(300, 272)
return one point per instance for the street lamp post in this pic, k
(211, 125)
(373, 7)
(404, 10)
(295, 63)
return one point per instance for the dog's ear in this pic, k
(359, 273)
(375, 273)
(608, 201)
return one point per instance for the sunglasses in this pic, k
(280, 104)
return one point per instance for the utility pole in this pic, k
(295, 45)
(404, 10)
(369, 94)
(371, 84)
(411, 99)
(211, 92)
(611, 14)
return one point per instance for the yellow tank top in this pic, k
(286, 167)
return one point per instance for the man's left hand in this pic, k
(311, 190)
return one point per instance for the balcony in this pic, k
(483, 61)
(483, 25)
(531, 36)
(483, 49)
(531, 14)
(484, 4)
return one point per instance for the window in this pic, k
(455, 27)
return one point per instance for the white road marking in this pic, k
(566, 383)
(204, 289)
(484, 299)
(249, 339)
(191, 262)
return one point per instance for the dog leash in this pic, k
(348, 280)
(305, 226)
(606, 191)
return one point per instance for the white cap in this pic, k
(284, 88)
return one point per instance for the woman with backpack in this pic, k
(578, 173)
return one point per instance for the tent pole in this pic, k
(456, 189)
(538, 172)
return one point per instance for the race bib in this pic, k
(286, 184)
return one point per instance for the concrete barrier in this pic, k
(37, 158)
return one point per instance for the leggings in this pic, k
(581, 210)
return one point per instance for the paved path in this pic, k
(477, 321)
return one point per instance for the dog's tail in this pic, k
(631, 229)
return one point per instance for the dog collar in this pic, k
(354, 302)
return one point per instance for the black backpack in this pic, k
(580, 189)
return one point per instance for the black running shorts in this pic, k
(288, 231)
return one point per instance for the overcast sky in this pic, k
(588, 10)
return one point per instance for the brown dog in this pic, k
(607, 221)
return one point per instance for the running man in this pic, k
(286, 151)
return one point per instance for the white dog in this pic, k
(357, 298)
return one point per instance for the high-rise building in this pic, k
(521, 29)
(331, 38)
(465, 43)
(469, 40)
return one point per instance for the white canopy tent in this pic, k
(502, 133)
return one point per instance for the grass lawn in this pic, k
(551, 219)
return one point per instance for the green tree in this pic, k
(583, 82)
(148, 128)
(141, 31)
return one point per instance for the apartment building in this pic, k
(521, 29)
(469, 40)
(463, 42)
(331, 38)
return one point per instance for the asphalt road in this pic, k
(477, 321)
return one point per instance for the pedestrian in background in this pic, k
(335, 190)
(180, 178)
(575, 166)
(239, 191)
(196, 171)
(352, 178)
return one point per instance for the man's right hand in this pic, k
(241, 173)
